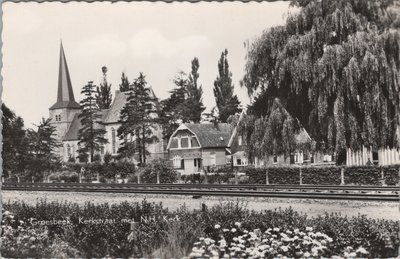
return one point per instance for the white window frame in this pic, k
(277, 160)
(213, 159)
(176, 161)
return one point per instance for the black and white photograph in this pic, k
(231, 129)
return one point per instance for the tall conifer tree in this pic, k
(228, 104)
(104, 96)
(124, 86)
(42, 144)
(138, 120)
(91, 136)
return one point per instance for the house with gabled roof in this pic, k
(195, 147)
(65, 112)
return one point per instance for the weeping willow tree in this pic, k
(335, 67)
(275, 133)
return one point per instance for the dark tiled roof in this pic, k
(72, 133)
(112, 114)
(65, 95)
(65, 104)
(302, 136)
(210, 135)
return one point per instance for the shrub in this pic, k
(276, 175)
(158, 237)
(330, 175)
(66, 176)
(96, 158)
(107, 158)
(362, 175)
(149, 172)
(19, 240)
(391, 174)
(326, 175)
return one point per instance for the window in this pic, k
(296, 158)
(239, 161)
(102, 150)
(240, 141)
(327, 158)
(113, 140)
(174, 143)
(176, 160)
(195, 162)
(184, 142)
(194, 142)
(213, 159)
(275, 159)
(58, 117)
(69, 150)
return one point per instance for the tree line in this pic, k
(33, 152)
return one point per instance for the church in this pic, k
(64, 117)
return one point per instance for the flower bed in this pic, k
(238, 242)
(175, 238)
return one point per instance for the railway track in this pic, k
(366, 193)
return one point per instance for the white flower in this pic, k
(352, 254)
(225, 230)
(362, 250)
(222, 243)
(217, 226)
(6, 213)
(307, 254)
(276, 229)
(238, 224)
(284, 248)
(233, 230)
(309, 229)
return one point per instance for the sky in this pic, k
(156, 38)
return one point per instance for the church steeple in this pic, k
(65, 96)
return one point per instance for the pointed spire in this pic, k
(65, 96)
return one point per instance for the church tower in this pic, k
(64, 110)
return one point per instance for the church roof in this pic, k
(65, 96)
(73, 130)
(112, 115)
(72, 133)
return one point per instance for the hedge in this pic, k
(355, 175)
(314, 175)
(362, 175)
